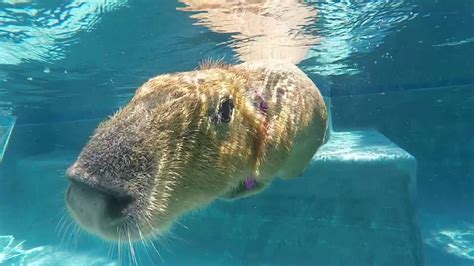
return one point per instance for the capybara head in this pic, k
(181, 142)
(188, 138)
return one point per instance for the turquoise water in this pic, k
(403, 69)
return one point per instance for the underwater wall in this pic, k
(435, 126)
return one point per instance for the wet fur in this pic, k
(165, 150)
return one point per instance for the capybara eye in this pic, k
(224, 114)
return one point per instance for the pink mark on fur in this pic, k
(262, 104)
(250, 182)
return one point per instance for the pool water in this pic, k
(394, 186)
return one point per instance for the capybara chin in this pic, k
(186, 139)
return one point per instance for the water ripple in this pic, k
(352, 27)
(30, 32)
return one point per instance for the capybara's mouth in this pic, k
(101, 212)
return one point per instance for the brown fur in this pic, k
(165, 152)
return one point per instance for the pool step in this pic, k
(353, 206)
(6, 127)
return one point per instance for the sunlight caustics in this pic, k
(13, 252)
(48, 32)
(360, 145)
(6, 127)
(458, 241)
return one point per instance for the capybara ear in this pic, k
(224, 111)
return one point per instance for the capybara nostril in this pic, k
(118, 206)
